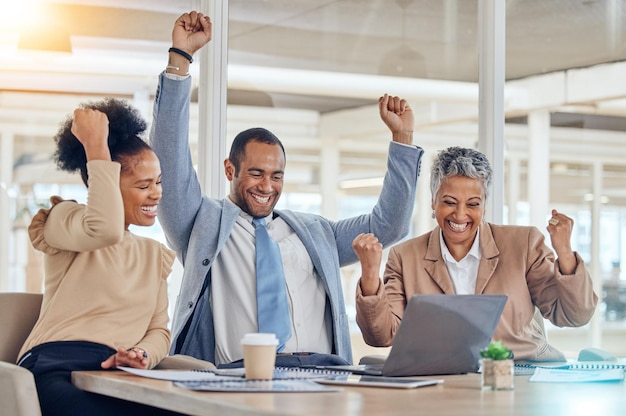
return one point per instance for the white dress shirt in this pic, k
(463, 272)
(233, 292)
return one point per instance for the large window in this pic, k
(312, 71)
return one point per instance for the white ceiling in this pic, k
(348, 36)
(119, 46)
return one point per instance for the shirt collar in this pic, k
(249, 217)
(474, 251)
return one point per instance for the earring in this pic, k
(433, 215)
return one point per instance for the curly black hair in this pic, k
(126, 127)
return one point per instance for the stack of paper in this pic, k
(559, 375)
(285, 379)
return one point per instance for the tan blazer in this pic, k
(515, 261)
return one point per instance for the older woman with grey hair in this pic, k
(464, 254)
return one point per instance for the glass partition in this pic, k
(312, 71)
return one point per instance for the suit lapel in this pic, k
(435, 266)
(230, 212)
(304, 234)
(489, 258)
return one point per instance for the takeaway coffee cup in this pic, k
(259, 355)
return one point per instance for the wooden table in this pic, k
(458, 395)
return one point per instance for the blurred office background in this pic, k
(311, 71)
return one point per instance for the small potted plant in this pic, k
(497, 368)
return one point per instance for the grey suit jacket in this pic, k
(197, 227)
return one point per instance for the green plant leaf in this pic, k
(496, 351)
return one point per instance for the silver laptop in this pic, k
(440, 334)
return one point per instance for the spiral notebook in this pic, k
(555, 375)
(235, 374)
(528, 368)
(286, 379)
(241, 385)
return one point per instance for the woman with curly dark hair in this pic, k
(105, 299)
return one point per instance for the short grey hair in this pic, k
(460, 161)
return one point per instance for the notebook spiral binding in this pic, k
(529, 368)
(287, 373)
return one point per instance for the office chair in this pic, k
(18, 394)
(18, 314)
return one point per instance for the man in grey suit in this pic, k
(214, 238)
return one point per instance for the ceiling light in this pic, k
(40, 30)
(589, 198)
(53, 39)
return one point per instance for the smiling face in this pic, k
(259, 181)
(459, 208)
(140, 183)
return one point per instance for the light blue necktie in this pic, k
(271, 296)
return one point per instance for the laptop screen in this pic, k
(443, 334)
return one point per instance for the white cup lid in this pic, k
(258, 338)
